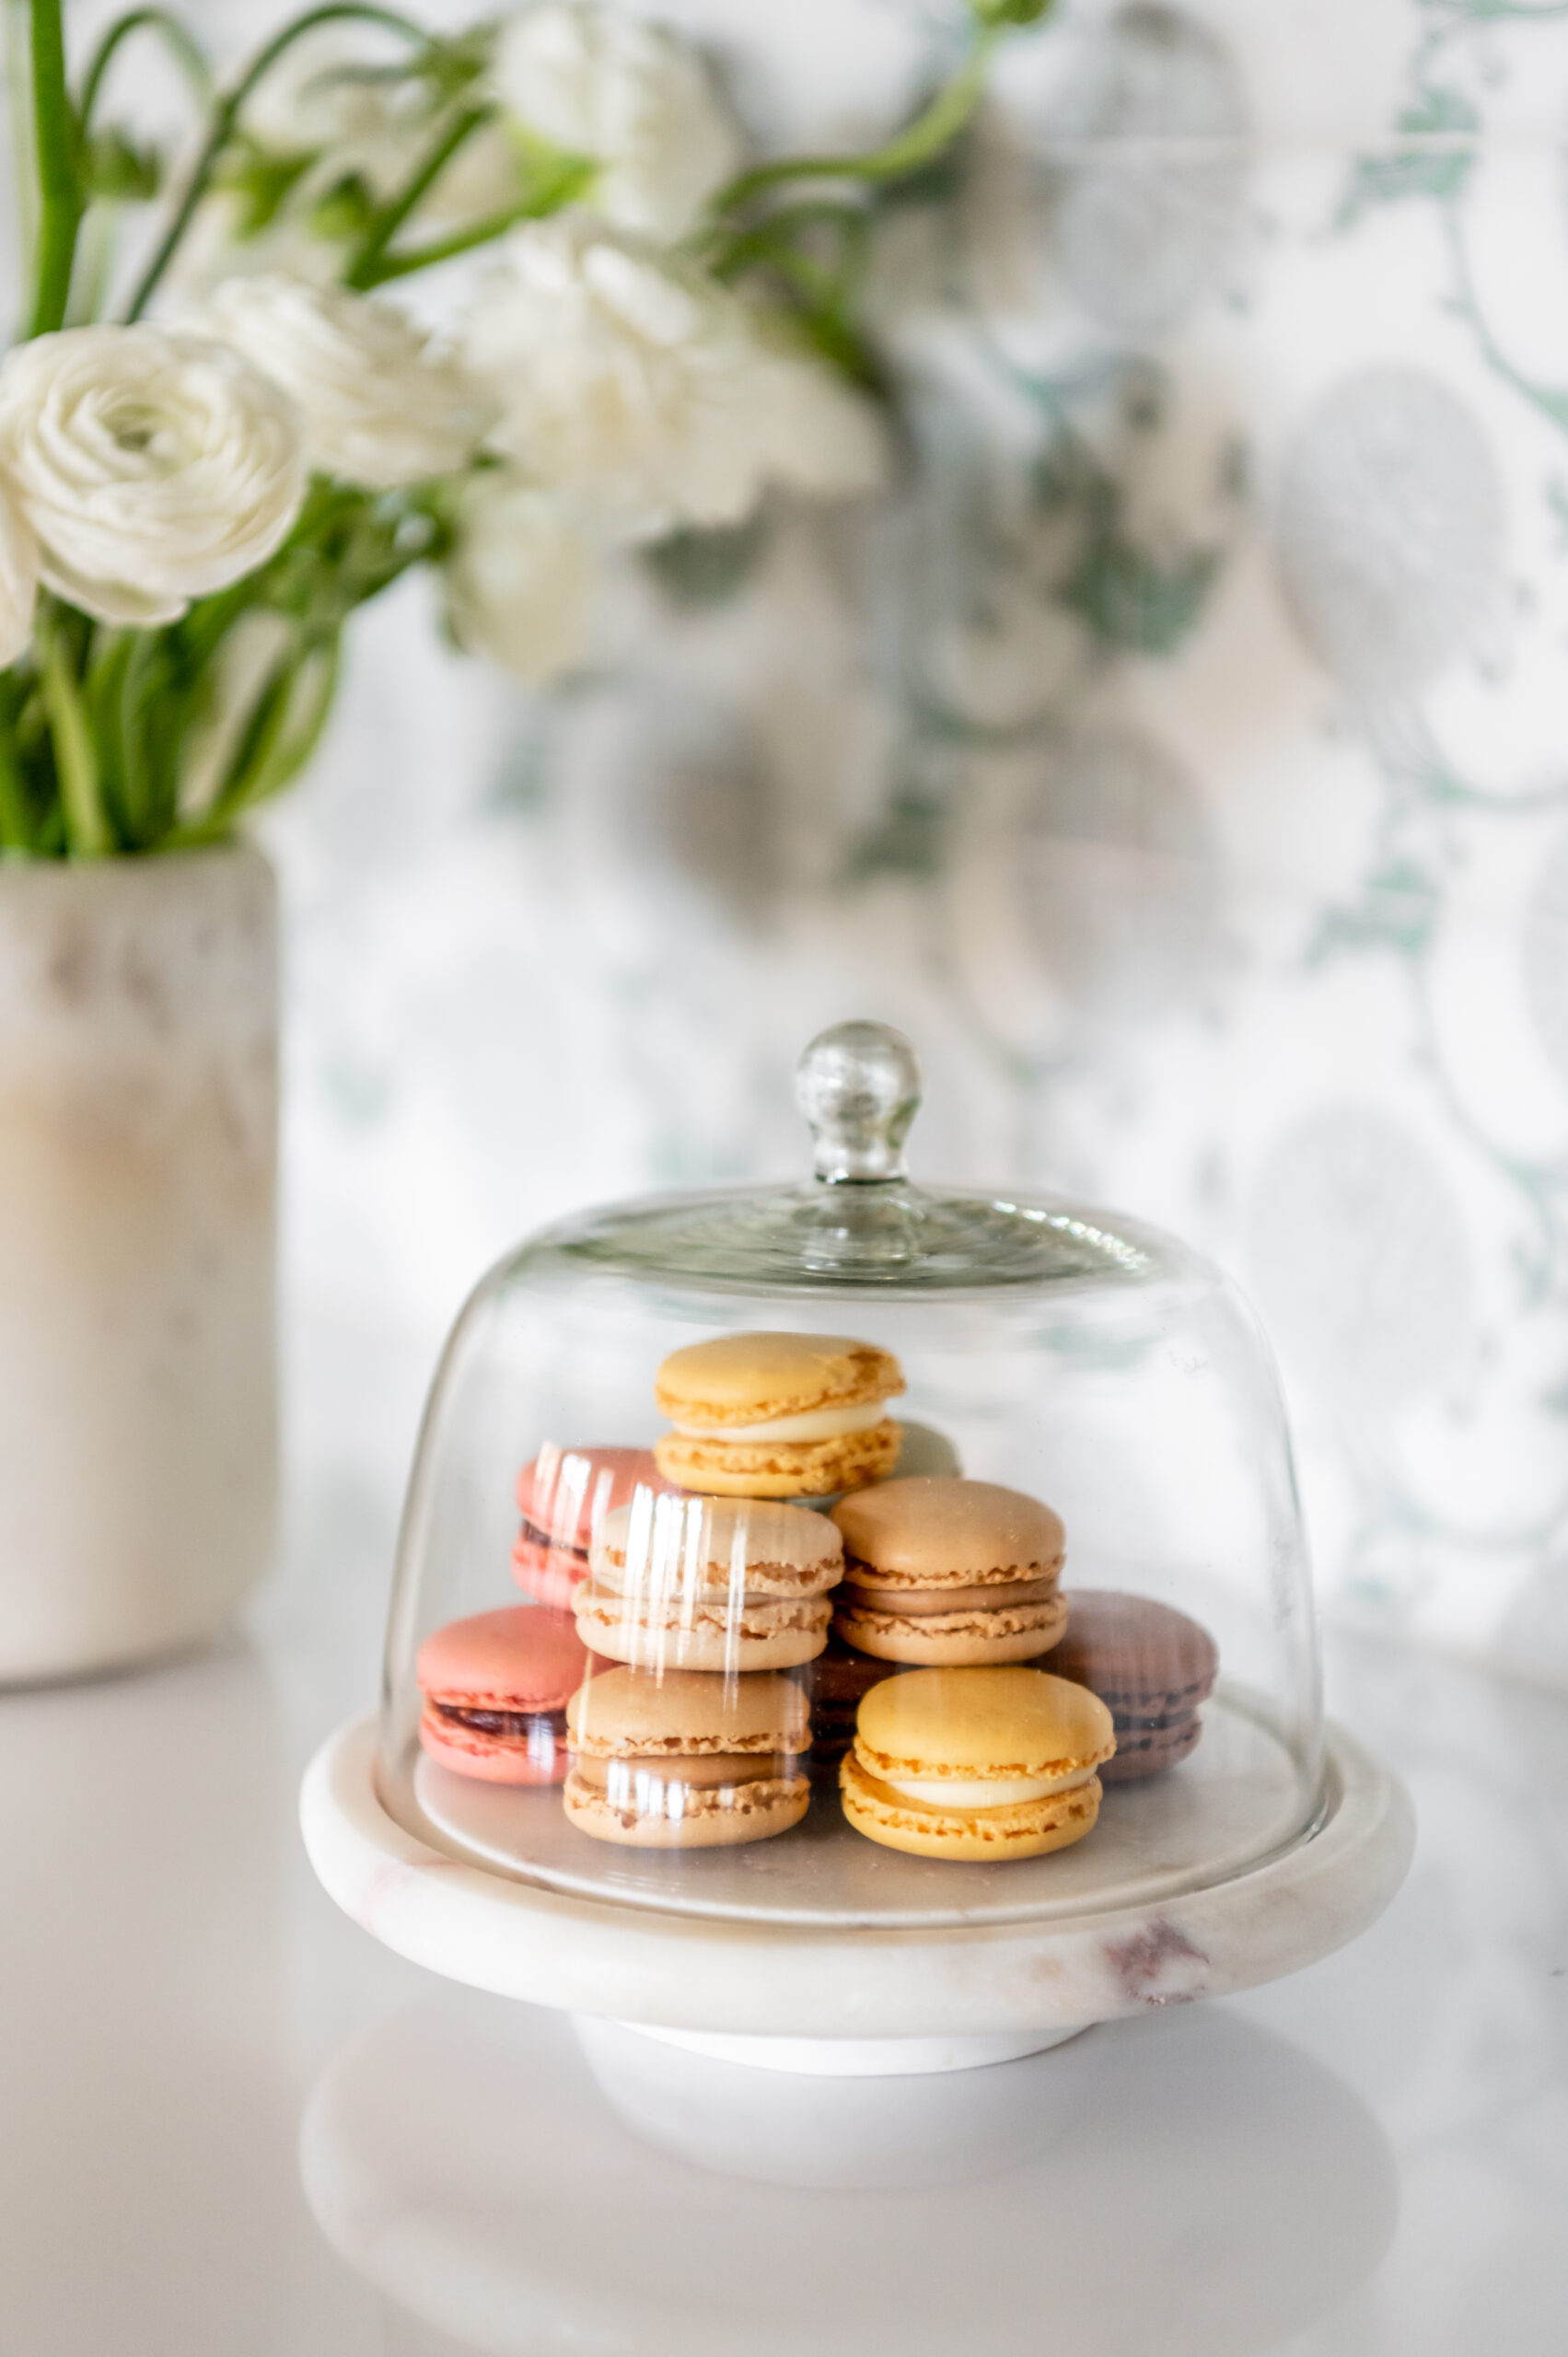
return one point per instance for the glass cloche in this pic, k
(855, 1553)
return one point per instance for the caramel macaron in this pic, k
(973, 1764)
(685, 1761)
(1151, 1665)
(710, 1584)
(778, 1415)
(949, 1574)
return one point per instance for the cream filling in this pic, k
(982, 1792)
(817, 1423)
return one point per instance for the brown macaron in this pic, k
(835, 1685)
(684, 1582)
(947, 1573)
(686, 1761)
(1151, 1666)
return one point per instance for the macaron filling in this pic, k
(865, 1591)
(538, 1735)
(982, 1792)
(530, 1535)
(520, 1725)
(813, 1424)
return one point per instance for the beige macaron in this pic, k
(771, 1415)
(976, 1764)
(710, 1584)
(686, 1761)
(949, 1574)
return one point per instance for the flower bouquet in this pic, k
(223, 429)
(220, 434)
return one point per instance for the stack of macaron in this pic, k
(770, 1589)
(705, 1588)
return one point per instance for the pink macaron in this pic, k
(563, 1495)
(496, 1691)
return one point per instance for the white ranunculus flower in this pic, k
(378, 406)
(629, 95)
(648, 391)
(19, 580)
(151, 468)
(520, 578)
(329, 91)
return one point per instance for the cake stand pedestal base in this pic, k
(856, 2058)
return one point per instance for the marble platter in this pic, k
(874, 1996)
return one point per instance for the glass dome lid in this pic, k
(854, 1553)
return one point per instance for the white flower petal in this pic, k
(330, 90)
(151, 468)
(379, 406)
(648, 393)
(820, 436)
(520, 579)
(18, 581)
(632, 96)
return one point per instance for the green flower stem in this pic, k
(296, 748)
(16, 828)
(18, 112)
(88, 834)
(59, 183)
(182, 46)
(226, 115)
(762, 241)
(534, 207)
(922, 140)
(275, 745)
(390, 216)
(139, 783)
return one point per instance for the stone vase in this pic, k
(138, 1167)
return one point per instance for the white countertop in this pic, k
(234, 2126)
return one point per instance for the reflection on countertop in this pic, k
(1191, 2182)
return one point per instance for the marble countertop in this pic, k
(233, 2123)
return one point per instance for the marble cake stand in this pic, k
(874, 1999)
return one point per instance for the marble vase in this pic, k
(138, 1157)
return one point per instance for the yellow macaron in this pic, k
(977, 1763)
(778, 1415)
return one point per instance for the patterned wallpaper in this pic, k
(1180, 758)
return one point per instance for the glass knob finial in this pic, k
(858, 1084)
